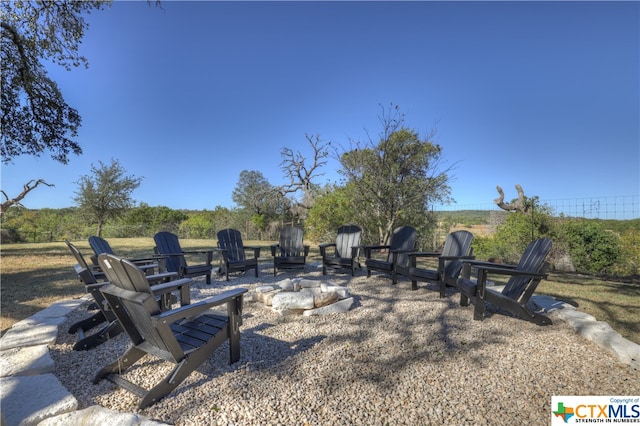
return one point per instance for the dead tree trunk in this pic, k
(519, 205)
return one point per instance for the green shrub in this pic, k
(593, 248)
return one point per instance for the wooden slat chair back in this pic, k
(291, 244)
(231, 240)
(149, 264)
(100, 245)
(168, 245)
(89, 274)
(185, 336)
(457, 248)
(532, 260)
(457, 243)
(403, 241)
(348, 237)
(346, 250)
(233, 253)
(514, 297)
(93, 279)
(290, 252)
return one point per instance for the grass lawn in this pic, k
(36, 275)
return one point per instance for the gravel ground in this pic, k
(397, 357)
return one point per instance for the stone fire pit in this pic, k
(300, 296)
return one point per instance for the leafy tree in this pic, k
(254, 193)
(198, 225)
(35, 116)
(149, 220)
(106, 194)
(330, 211)
(394, 180)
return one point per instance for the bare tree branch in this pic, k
(301, 175)
(28, 187)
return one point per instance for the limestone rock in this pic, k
(335, 308)
(292, 300)
(324, 299)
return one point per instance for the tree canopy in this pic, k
(35, 116)
(106, 193)
(395, 179)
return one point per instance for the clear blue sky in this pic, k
(544, 94)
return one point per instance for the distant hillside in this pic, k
(468, 217)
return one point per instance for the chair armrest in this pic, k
(274, 247)
(162, 276)
(512, 272)
(485, 270)
(256, 250)
(423, 254)
(209, 254)
(369, 249)
(465, 258)
(306, 251)
(323, 248)
(478, 263)
(403, 251)
(442, 259)
(413, 256)
(183, 284)
(190, 311)
(224, 253)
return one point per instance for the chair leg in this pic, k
(414, 285)
(121, 364)
(88, 323)
(169, 383)
(478, 311)
(464, 300)
(443, 288)
(109, 331)
(208, 278)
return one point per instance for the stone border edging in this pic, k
(30, 393)
(591, 329)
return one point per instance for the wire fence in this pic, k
(622, 207)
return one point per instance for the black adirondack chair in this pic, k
(232, 249)
(168, 245)
(94, 278)
(403, 241)
(148, 264)
(185, 336)
(290, 253)
(457, 247)
(345, 250)
(525, 277)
